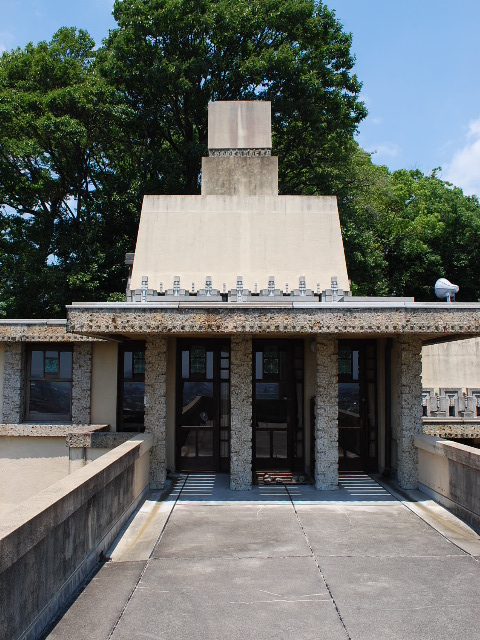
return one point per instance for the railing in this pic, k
(447, 473)
(52, 541)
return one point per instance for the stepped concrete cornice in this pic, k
(430, 320)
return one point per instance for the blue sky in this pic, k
(418, 61)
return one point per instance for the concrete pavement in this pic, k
(283, 562)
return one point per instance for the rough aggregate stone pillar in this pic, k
(12, 383)
(409, 399)
(326, 419)
(241, 413)
(81, 382)
(156, 407)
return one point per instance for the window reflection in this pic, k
(132, 387)
(49, 384)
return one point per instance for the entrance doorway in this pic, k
(278, 433)
(203, 406)
(357, 402)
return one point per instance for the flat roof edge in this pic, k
(339, 306)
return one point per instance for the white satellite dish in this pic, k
(445, 289)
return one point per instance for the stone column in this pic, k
(241, 412)
(408, 395)
(156, 407)
(326, 419)
(81, 382)
(12, 383)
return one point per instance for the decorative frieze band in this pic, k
(241, 153)
(307, 321)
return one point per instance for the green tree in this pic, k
(404, 230)
(59, 124)
(171, 57)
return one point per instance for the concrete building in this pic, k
(239, 347)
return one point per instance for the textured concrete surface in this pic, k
(12, 382)
(409, 410)
(326, 413)
(81, 383)
(283, 563)
(156, 406)
(119, 580)
(241, 413)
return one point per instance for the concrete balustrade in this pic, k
(449, 473)
(50, 543)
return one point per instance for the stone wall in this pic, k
(326, 410)
(408, 413)
(81, 383)
(12, 383)
(156, 407)
(241, 413)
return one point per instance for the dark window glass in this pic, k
(52, 364)
(210, 365)
(131, 389)
(345, 360)
(49, 385)
(37, 364)
(349, 398)
(47, 397)
(133, 403)
(271, 361)
(193, 391)
(185, 364)
(198, 363)
(259, 365)
(127, 364)
(139, 362)
(65, 364)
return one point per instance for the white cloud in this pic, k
(389, 150)
(6, 40)
(464, 169)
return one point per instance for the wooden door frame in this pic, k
(216, 346)
(292, 460)
(367, 463)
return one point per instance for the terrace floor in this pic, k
(284, 562)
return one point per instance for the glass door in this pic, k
(357, 417)
(203, 406)
(278, 406)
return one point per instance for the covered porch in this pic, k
(348, 392)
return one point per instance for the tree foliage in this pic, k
(58, 122)
(170, 58)
(404, 230)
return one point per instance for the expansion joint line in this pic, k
(322, 575)
(148, 561)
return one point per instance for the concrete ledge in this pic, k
(53, 540)
(45, 430)
(452, 427)
(469, 517)
(98, 440)
(432, 444)
(449, 472)
(463, 454)
(38, 331)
